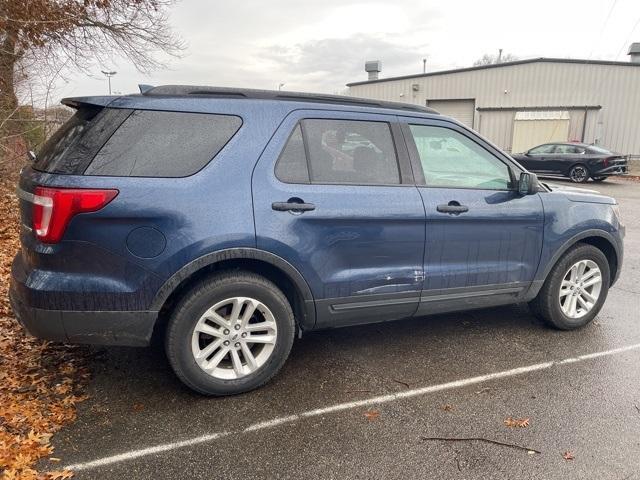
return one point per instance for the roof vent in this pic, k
(634, 51)
(373, 68)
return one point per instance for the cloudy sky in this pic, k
(321, 45)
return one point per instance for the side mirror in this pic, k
(528, 183)
(31, 155)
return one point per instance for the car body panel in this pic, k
(599, 164)
(359, 257)
(360, 242)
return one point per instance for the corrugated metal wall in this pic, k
(549, 85)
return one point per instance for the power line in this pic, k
(602, 29)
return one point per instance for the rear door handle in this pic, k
(453, 207)
(292, 206)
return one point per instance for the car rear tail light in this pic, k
(53, 208)
(605, 161)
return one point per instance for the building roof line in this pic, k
(499, 65)
(541, 108)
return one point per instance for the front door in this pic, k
(539, 159)
(334, 196)
(483, 239)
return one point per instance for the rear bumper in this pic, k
(92, 327)
(613, 170)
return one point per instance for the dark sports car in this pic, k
(577, 161)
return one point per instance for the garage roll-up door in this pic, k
(461, 110)
(538, 127)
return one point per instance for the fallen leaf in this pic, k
(447, 408)
(40, 382)
(568, 455)
(138, 407)
(60, 475)
(372, 415)
(516, 422)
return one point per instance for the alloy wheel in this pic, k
(580, 289)
(579, 174)
(234, 338)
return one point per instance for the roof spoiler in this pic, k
(144, 88)
(78, 102)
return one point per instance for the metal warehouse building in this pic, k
(520, 104)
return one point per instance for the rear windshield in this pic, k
(72, 147)
(136, 143)
(596, 149)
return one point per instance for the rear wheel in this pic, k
(579, 173)
(230, 334)
(575, 289)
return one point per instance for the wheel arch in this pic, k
(271, 266)
(600, 239)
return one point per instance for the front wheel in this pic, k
(230, 334)
(575, 289)
(579, 174)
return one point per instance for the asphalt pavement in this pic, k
(419, 398)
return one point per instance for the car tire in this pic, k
(598, 179)
(579, 173)
(550, 304)
(186, 344)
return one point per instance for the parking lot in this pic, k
(421, 398)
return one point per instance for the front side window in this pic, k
(351, 152)
(542, 149)
(450, 159)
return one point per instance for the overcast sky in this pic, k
(321, 45)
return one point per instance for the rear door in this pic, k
(334, 196)
(483, 239)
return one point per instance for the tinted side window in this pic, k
(568, 149)
(70, 149)
(542, 149)
(292, 164)
(352, 152)
(449, 159)
(164, 144)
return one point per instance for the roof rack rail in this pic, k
(247, 93)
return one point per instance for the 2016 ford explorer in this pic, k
(228, 220)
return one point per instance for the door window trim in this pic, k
(417, 164)
(403, 160)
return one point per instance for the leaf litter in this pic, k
(40, 382)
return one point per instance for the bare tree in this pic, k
(488, 59)
(39, 36)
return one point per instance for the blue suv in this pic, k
(226, 221)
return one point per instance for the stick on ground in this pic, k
(480, 439)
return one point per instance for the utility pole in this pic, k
(109, 75)
(424, 65)
(280, 85)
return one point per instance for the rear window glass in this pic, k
(596, 149)
(70, 149)
(164, 144)
(351, 152)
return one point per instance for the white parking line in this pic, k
(165, 447)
